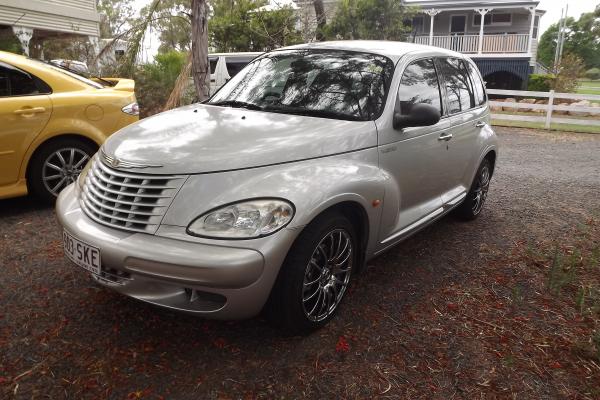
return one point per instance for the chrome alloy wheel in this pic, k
(62, 168)
(481, 190)
(327, 275)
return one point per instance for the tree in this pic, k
(173, 25)
(582, 39)
(200, 66)
(114, 16)
(370, 19)
(247, 25)
(321, 19)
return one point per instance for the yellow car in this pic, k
(51, 122)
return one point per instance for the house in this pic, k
(38, 20)
(504, 46)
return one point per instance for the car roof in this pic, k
(390, 49)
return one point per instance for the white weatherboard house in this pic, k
(504, 46)
(43, 19)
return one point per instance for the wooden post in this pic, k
(432, 13)
(531, 28)
(549, 110)
(482, 12)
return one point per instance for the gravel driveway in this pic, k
(413, 325)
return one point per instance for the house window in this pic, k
(536, 26)
(496, 19)
(418, 25)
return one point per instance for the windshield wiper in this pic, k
(237, 104)
(313, 113)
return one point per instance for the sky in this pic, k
(552, 8)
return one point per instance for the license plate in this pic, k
(82, 254)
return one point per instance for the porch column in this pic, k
(432, 12)
(24, 35)
(531, 28)
(482, 12)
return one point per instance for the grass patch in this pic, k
(553, 127)
(589, 87)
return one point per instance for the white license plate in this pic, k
(82, 254)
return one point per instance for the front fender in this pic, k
(312, 186)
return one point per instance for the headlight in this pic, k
(245, 220)
(83, 174)
(131, 109)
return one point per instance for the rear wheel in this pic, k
(56, 165)
(315, 275)
(473, 204)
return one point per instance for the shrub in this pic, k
(154, 82)
(593, 74)
(541, 82)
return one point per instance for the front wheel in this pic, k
(473, 204)
(56, 165)
(315, 275)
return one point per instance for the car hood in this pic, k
(205, 138)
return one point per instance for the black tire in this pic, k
(39, 171)
(287, 308)
(473, 204)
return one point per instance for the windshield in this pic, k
(64, 70)
(321, 83)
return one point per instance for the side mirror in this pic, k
(421, 115)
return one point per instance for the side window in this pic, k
(4, 82)
(15, 82)
(480, 95)
(419, 85)
(458, 86)
(233, 67)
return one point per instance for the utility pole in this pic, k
(562, 43)
(557, 49)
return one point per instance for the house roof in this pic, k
(473, 4)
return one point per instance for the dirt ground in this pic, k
(507, 306)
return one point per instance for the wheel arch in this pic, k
(40, 146)
(491, 157)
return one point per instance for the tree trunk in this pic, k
(200, 66)
(321, 21)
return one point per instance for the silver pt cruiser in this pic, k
(273, 194)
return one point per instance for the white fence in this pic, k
(547, 109)
(505, 43)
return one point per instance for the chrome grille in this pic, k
(129, 201)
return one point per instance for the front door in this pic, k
(24, 112)
(458, 24)
(413, 157)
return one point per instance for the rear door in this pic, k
(25, 109)
(413, 157)
(465, 111)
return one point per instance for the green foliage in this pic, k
(582, 39)
(173, 25)
(240, 25)
(593, 74)
(9, 42)
(541, 82)
(370, 19)
(114, 16)
(154, 82)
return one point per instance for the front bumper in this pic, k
(215, 280)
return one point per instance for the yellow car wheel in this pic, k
(56, 165)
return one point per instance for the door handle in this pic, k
(480, 124)
(34, 110)
(445, 136)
